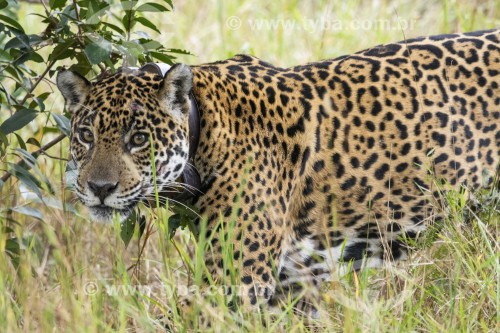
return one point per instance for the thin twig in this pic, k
(55, 157)
(38, 80)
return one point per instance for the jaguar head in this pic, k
(128, 132)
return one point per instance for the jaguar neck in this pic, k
(190, 175)
(216, 137)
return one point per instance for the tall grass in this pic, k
(77, 276)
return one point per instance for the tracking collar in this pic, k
(190, 175)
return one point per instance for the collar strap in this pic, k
(190, 175)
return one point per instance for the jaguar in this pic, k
(316, 167)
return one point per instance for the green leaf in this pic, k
(4, 143)
(3, 4)
(15, 73)
(147, 23)
(150, 44)
(12, 246)
(38, 101)
(22, 57)
(62, 122)
(28, 211)
(30, 160)
(179, 51)
(63, 50)
(34, 142)
(170, 3)
(26, 178)
(163, 57)
(142, 225)
(7, 229)
(57, 4)
(98, 52)
(152, 7)
(128, 5)
(71, 174)
(33, 56)
(13, 250)
(19, 42)
(132, 49)
(20, 141)
(18, 120)
(27, 157)
(114, 27)
(184, 216)
(127, 228)
(11, 22)
(185, 210)
(23, 41)
(5, 56)
(82, 65)
(128, 20)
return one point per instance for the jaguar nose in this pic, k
(102, 189)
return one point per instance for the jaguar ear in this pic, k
(174, 90)
(74, 88)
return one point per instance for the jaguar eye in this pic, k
(138, 139)
(86, 136)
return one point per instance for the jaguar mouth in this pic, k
(104, 213)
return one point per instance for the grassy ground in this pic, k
(77, 276)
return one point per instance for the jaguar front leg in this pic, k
(241, 261)
(243, 256)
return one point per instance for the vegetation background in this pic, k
(62, 273)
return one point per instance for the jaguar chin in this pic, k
(106, 214)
